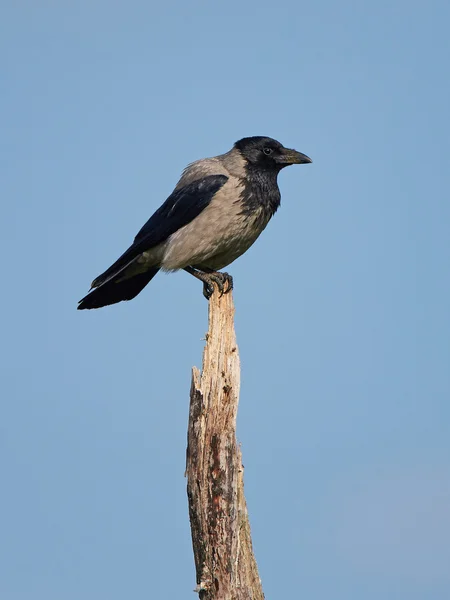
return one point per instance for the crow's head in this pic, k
(268, 154)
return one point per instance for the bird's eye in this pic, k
(267, 151)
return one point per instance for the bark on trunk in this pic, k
(225, 565)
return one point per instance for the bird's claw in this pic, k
(228, 280)
(208, 289)
(224, 283)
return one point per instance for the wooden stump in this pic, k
(225, 565)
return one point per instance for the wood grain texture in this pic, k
(225, 565)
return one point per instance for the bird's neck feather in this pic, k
(260, 191)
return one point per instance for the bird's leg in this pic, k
(208, 287)
(223, 281)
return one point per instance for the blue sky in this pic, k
(342, 305)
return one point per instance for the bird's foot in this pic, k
(208, 289)
(224, 283)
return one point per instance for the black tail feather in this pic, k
(112, 292)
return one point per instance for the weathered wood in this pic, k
(225, 564)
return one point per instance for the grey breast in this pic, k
(223, 231)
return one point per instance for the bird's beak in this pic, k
(292, 157)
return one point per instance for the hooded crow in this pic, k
(218, 209)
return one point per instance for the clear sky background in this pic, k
(342, 305)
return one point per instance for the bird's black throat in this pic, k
(260, 191)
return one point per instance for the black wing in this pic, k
(180, 208)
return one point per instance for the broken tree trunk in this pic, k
(225, 565)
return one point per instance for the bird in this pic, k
(218, 209)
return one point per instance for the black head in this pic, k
(268, 154)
